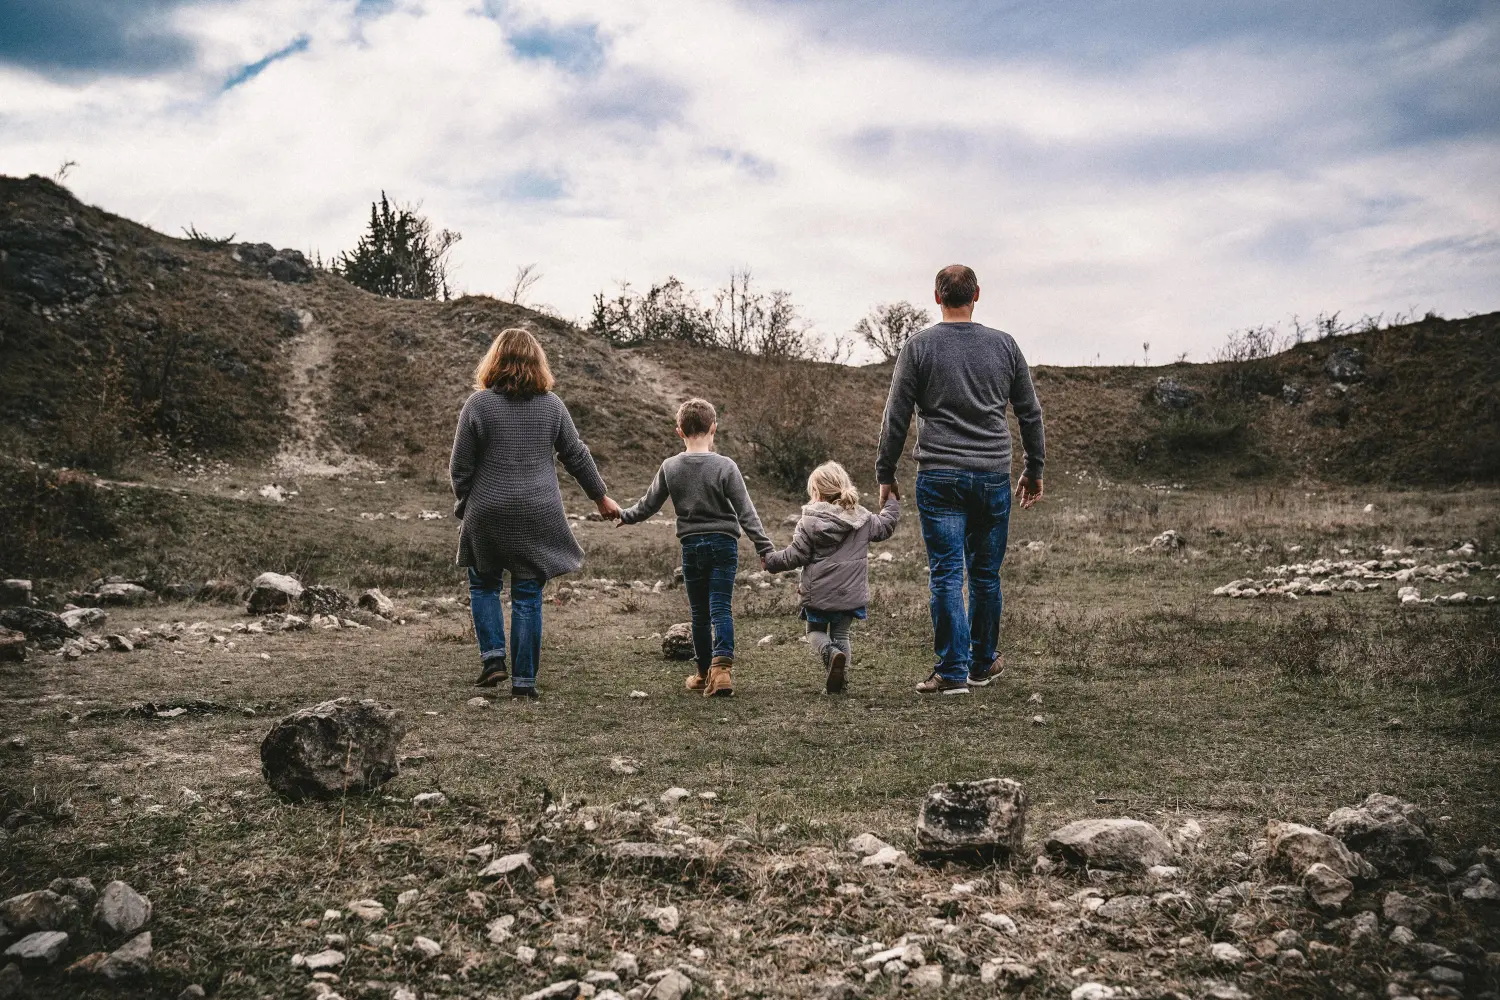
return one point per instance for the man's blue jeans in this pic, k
(709, 562)
(965, 519)
(525, 623)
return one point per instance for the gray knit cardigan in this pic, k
(506, 484)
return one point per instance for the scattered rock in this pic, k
(12, 646)
(1008, 974)
(119, 643)
(1225, 953)
(10, 981)
(1364, 928)
(289, 266)
(79, 888)
(131, 959)
(121, 910)
(42, 910)
(677, 644)
(41, 948)
(508, 866)
(273, 592)
(625, 963)
(1168, 541)
(478, 701)
(674, 795)
(41, 627)
(867, 844)
(1345, 364)
(15, 594)
(369, 910)
(984, 817)
(1391, 834)
(1402, 909)
(1403, 937)
(624, 765)
(1000, 922)
(425, 947)
(644, 851)
(766, 640)
(924, 977)
(666, 918)
(1297, 848)
(1125, 909)
(1092, 991)
(1328, 889)
(672, 986)
(82, 618)
(324, 961)
(375, 602)
(1126, 844)
(319, 599)
(1170, 394)
(565, 990)
(886, 857)
(336, 747)
(124, 594)
(1186, 837)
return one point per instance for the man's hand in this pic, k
(888, 490)
(1030, 491)
(608, 509)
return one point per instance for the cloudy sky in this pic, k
(1116, 172)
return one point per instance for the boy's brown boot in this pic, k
(695, 681)
(720, 680)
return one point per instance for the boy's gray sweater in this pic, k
(959, 377)
(709, 494)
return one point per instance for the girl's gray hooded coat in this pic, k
(832, 545)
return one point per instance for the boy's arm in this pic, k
(656, 495)
(885, 522)
(799, 553)
(744, 509)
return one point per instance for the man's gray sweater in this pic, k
(959, 378)
(709, 494)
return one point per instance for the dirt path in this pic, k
(306, 449)
(658, 377)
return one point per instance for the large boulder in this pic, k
(15, 593)
(43, 910)
(1128, 844)
(42, 627)
(39, 949)
(986, 817)
(339, 746)
(377, 603)
(121, 910)
(84, 618)
(323, 600)
(289, 265)
(1392, 835)
(273, 592)
(677, 644)
(1297, 848)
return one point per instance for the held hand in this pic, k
(888, 490)
(1030, 491)
(763, 562)
(608, 509)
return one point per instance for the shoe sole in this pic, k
(981, 682)
(492, 680)
(525, 694)
(722, 693)
(954, 690)
(836, 672)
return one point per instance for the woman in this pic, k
(510, 503)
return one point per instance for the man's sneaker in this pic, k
(837, 661)
(492, 674)
(981, 677)
(695, 681)
(720, 681)
(529, 691)
(938, 684)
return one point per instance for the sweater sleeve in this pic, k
(744, 509)
(1029, 415)
(656, 495)
(897, 418)
(575, 456)
(885, 521)
(467, 445)
(799, 553)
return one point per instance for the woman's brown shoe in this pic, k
(720, 680)
(695, 682)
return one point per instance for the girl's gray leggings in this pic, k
(835, 633)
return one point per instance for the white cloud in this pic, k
(1209, 187)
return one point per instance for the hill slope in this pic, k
(112, 335)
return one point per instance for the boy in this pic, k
(712, 506)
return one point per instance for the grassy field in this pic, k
(1159, 702)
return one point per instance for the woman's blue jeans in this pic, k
(709, 562)
(525, 623)
(965, 520)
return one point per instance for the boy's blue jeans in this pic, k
(525, 623)
(709, 562)
(965, 520)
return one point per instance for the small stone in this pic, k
(509, 865)
(1364, 928)
(42, 910)
(926, 977)
(601, 977)
(987, 816)
(886, 857)
(1328, 889)
(429, 800)
(638, 694)
(672, 986)
(1010, 974)
(1226, 991)
(425, 947)
(1225, 953)
(119, 643)
(131, 959)
(1442, 974)
(525, 954)
(1125, 909)
(866, 844)
(666, 918)
(40, 948)
(478, 701)
(624, 765)
(567, 989)
(1288, 938)
(1402, 909)
(325, 960)
(375, 602)
(122, 910)
(498, 931)
(767, 640)
(1392, 834)
(332, 916)
(1163, 871)
(1110, 843)
(408, 897)
(672, 796)
(1297, 848)
(1093, 991)
(80, 889)
(1000, 922)
(1290, 958)
(1187, 836)
(1403, 937)
(192, 991)
(369, 910)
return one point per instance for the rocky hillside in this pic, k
(123, 347)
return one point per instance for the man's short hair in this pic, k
(696, 417)
(957, 285)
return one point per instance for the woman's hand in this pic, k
(608, 509)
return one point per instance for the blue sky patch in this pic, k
(573, 48)
(247, 73)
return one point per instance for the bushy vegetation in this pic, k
(890, 326)
(399, 256)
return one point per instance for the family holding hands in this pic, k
(957, 377)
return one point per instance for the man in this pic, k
(960, 376)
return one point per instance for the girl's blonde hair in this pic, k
(515, 364)
(830, 481)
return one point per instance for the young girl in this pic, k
(832, 543)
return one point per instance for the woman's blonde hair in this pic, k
(515, 364)
(830, 481)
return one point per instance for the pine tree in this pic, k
(399, 256)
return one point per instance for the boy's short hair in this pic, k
(696, 417)
(956, 285)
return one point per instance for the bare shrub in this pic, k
(889, 326)
(789, 424)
